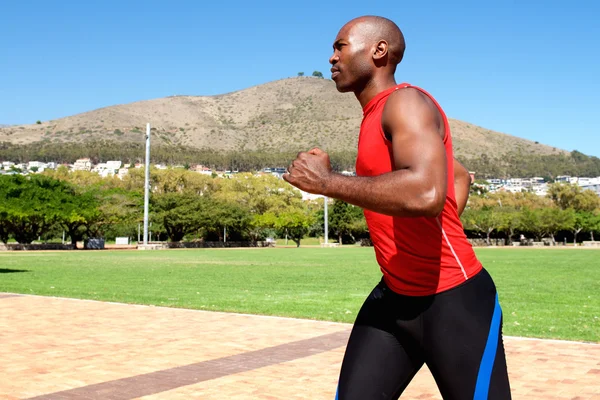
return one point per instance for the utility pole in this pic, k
(326, 233)
(147, 184)
(326, 224)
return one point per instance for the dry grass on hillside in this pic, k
(289, 114)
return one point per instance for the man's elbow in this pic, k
(465, 178)
(432, 203)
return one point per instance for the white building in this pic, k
(36, 164)
(82, 164)
(99, 167)
(566, 179)
(114, 165)
(106, 172)
(540, 189)
(588, 181)
(108, 168)
(122, 173)
(594, 187)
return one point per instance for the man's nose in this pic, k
(333, 59)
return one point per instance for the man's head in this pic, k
(365, 48)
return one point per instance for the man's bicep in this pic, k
(416, 142)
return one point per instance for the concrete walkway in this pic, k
(55, 348)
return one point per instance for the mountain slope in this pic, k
(286, 115)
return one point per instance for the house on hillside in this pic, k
(594, 188)
(114, 165)
(588, 181)
(37, 165)
(122, 173)
(201, 169)
(82, 164)
(566, 179)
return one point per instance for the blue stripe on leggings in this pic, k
(337, 392)
(482, 386)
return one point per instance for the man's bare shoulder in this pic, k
(408, 97)
(407, 105)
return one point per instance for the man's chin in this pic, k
(342, 88)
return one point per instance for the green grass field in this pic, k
(549, 293)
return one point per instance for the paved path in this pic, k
(54, 348)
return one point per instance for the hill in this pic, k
(287, 115)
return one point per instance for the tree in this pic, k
(260, 194)
(510, 221)
(220, 215)
(318, 74)
(530, 222)
(262, 226)
(80, 208)
(484, 220)
(4, 228)
(34, 169)
(593, 224)
(295, 223)
(300, 73)
(555, 219)
(29, 205)
(582, 220)
(177, 213)
(547, 221)
(346, 219)
(117, 208)
(573, 196)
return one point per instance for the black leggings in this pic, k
(457, 333)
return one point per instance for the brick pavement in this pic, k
(54, 348)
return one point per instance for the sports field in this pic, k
(546, 293)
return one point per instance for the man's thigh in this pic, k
(380, 360)
(463, 343)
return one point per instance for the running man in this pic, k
(435, 303)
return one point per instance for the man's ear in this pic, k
(381, 50)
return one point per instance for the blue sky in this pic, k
(527, 68)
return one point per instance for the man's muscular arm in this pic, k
(416, 187)
(462, 185)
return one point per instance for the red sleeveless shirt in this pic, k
(418, 256)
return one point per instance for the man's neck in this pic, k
(373, 88)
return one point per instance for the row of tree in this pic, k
(317, 74)
(186, 206)
(183, 204)
(567, 208)
(528, 165)
(509, 165)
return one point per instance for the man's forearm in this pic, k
(399, 193)
(462, 185)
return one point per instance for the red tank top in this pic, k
(418, 256)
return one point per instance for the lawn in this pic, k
(549, 293)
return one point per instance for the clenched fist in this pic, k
(310, 171)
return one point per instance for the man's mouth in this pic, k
(334, 73)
